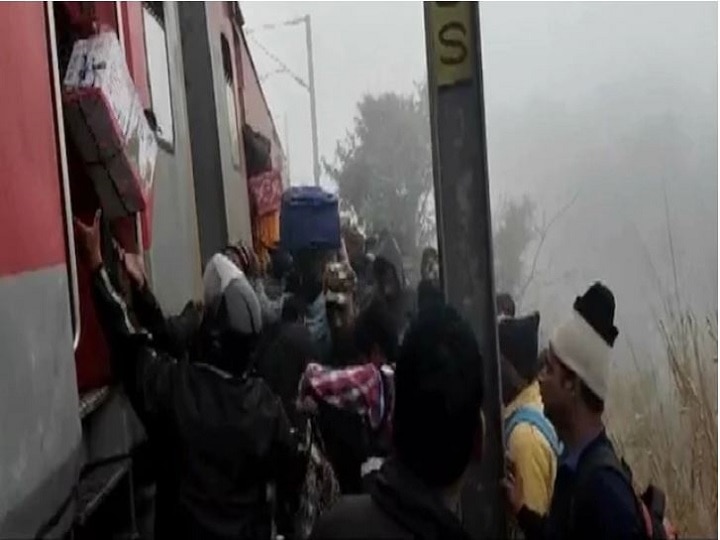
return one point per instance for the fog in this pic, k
(612, 105)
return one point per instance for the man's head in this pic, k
(439, 391)
(293, 310)
(386, 279)
(430, 265)
(232, 319)
(354, 243)
(577, 363)
(240, 255)
(505, 305)
(429, 296)
(309, 267)
(234, 254)
(281, 263)
(388, 272)
(376, 335)
(339, 288)
(518, 339)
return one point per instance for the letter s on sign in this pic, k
(450, 31)
(448, 37)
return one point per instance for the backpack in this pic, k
(651, 504)
(533, 416)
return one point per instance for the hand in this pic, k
(252, 263)
(513, 484)
(88, 241)
(193, 308)
(135, 268)
(307, 405)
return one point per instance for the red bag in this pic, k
(107, 123)
(266, 192)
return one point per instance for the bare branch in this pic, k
(543, 232)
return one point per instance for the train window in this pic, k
(230, 98)
(156, 52)
(239, 74)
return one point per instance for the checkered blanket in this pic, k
(356, 388)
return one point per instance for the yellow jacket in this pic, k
(534, 459)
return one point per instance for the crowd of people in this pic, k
(320, 398)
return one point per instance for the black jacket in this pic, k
(174, 335)
(346, 445)
(219, 439)
(399, 506)
(593, 502)
(282, 357)
(429, 296)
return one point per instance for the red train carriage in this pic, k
(67, 433)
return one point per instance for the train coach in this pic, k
(68, 434)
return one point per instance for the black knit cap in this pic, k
(597, 307)
(518, 340)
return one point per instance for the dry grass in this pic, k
(663, 418)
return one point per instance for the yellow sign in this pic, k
(450, 29)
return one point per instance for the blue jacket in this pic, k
(603, 508)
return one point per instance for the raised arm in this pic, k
(145, 371)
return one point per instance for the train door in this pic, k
(75, 20)
(110, 428)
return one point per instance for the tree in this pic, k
(512, 234)
(383, 169)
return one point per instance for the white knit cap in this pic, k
(581, 349)
(222, 279)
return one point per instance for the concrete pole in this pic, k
(313, 111)
(462, 203)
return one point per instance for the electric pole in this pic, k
(309, 85)
(311, 90)
(287, 147)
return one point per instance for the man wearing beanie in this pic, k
(592, 497)
(218, 434)
(530, 439)
(437, 428)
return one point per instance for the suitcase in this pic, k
(309, 219)
(107, 123)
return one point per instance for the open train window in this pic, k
(156, 53)
(239, 73)
(230, 98)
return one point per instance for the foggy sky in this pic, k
(616, 101)
(347, 64)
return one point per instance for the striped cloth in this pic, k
(359, 389)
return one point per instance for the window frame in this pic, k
(228, 63)
(146, 7)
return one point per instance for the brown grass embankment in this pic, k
(663, 418)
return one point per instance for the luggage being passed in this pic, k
(107, 122)
(309, 219)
